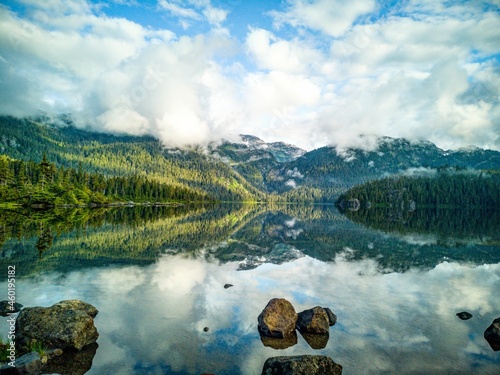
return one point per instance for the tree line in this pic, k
(30, 183)
(448, 188)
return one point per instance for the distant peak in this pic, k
(250, 138)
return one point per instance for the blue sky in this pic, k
(307, 72)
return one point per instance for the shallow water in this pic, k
(395, 296)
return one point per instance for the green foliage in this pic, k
(42, 184)
(38, 347)
(92, 159)
(4, 349)
(446, 189)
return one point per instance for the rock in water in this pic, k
(464, 315)
(492, 334)
(6, 308)
(301, 365)
(314, 320)
(332, 318)
(67, 324)
(278, 319)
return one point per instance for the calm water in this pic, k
(157, 277)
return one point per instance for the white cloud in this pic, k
(178, 10)
(419, 70)
(273, 53)
(331, 17)
(194, 10)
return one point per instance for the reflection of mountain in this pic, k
(248, 234)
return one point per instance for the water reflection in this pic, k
(151, 318)
(158, 279)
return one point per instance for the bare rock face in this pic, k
(492, 334)
(278, 319)
(314, 321)
(301, 365)
(67, 324)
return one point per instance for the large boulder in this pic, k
(314, 321)
(301, 365)
(278, 319)
(67, 324)
(492, 334)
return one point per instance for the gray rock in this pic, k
(332, 318)
(492, 334)
(464, 315)
(314, 321)
(278, 319)
(67, 324)
(301, 365)
(6, 308)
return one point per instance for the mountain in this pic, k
(253, 158)
(248, 169)
(326, 168)
(122, 155)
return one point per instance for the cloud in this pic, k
(333, 18)
(277, 54)
(194, 10)
(332, 73)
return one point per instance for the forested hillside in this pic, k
(121, 155)
(43, 184)
(244, 170)
(448, 188)
(326, 168)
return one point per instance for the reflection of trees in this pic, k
(45, 240)
(135, 235)
(251, 234)
(451, 224)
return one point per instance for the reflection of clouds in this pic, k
(151, 319)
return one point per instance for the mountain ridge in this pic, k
(248, 169)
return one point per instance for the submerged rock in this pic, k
(27, 364)
(279, 343)
(316, 341)
(278, 319)
(67, 324)
(314, 321)
(492, 334)
(464, 315)
(72, 361)
(301, 365)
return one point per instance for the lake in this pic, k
(395, 280)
